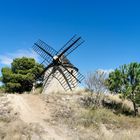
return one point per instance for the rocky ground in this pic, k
(60, 117)
(35, 117)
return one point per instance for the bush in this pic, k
(112, 102)
(117, 105)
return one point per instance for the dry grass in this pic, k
(113, 102)
(93, 118)
(37, 91)
(1, 94)
(79, 122)
(105, 134)
(12, 128)
(87, 123)
(117, 100)
(18, 130)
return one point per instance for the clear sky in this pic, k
(110, 28)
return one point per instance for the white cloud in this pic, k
(107, 71)
(7, 58)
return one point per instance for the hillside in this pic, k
(61, 117)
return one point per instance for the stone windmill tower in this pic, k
(59, 74)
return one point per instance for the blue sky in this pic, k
(110, 28)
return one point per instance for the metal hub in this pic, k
(55, 57)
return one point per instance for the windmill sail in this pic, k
(44, 50)
(58, 66)
(70, 46)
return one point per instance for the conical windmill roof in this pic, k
(67, 62)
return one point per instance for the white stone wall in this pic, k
(54, 86)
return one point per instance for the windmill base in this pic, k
(53, 87)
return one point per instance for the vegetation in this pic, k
(94, 123)
(21, 76)
(2, 89)
(95, 83)
(126, 81)
(109, 101)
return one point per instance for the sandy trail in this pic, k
(32, 109)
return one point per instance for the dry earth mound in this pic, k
(61, 117)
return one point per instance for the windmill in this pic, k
(57, 65)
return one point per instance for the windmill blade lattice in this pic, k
(49, 75)
(44, 50)
(70, 46)
(64, 79)
(57, 65)
(75, 74)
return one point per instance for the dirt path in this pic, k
(31, 107)
(33, 110)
